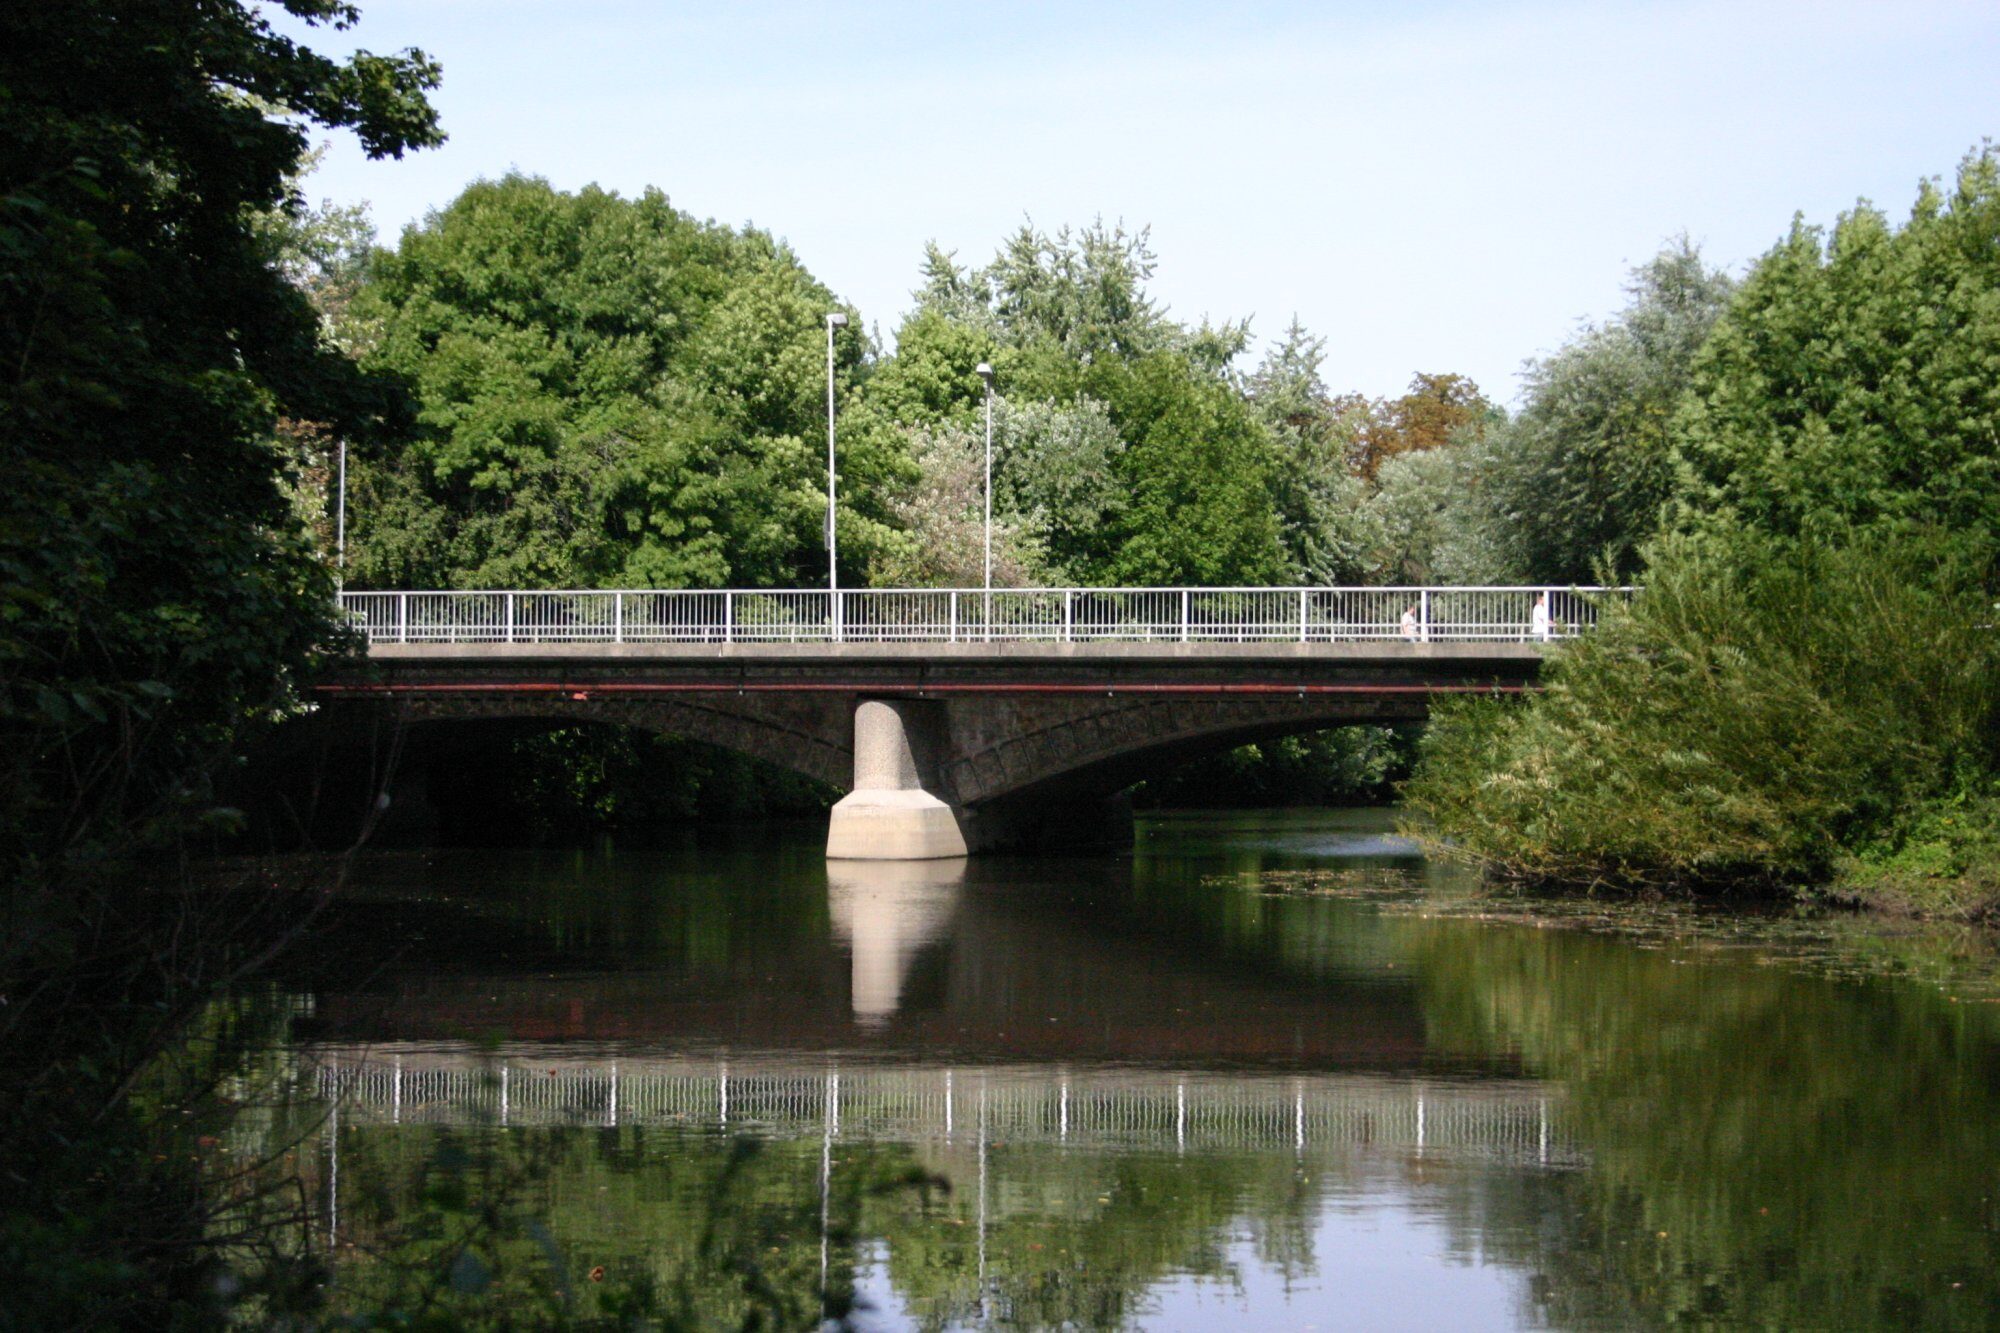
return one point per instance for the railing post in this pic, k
(1069, 615)
(402, 617)
(1424, 616)
(729, 617)
(953, 633)
(618, 617)
(1303, 594)
(1184, 615)
(510, 617)
(838, 604)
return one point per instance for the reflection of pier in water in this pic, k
(1509, 1120)
(919, 965)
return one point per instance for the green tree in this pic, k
(1805, 689)
(611, 393)
(1319, 501)
(1853, 381)
(1198, 468)
(1119, 439)
(158, 602)
(1581, 477)
(1764, 713)
(1057, 468)
(941, 521)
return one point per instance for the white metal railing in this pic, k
(973, 615)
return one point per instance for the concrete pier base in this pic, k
(893, 826)
(894, 812)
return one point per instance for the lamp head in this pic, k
(985, 372)
(836, 320)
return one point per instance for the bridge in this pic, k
(958, 720)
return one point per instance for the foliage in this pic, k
(1420, 507)
(941, 523)
(1807, 685)
(1577, 482)
(1343, 766)
(1855, 378)
(1438, 410)
(157, 604)
(1942, 859)
(1199, 470)
(1761, 708)
(1119, 438)
(1058, 469)
(1319, 501)
(611, 394)
(152, 583)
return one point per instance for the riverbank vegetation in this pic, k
(159, 607)
(1809, 690)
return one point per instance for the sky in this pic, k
(1427, 186)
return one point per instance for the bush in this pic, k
(1765, 713)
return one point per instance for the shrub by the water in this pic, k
(1767, 715)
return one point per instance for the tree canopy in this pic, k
(1582, 475)
(1855, 378)
(158, 601)
(149, 566)
(610, 393)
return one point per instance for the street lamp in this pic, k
(340, 527)
(834, 320)
(986, 373)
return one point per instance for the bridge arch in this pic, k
(1095, 747)
(805, 736)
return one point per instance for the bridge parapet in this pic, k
(970, 615)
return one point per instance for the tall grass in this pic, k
(1766, 715)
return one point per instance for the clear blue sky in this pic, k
(1430, 186)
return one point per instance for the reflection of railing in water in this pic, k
(1511, 1120)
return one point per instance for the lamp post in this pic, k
(834, 320)
(340, 526)
(986, 373)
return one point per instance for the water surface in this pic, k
(1269, 1071)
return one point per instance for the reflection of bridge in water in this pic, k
(1506, 1121)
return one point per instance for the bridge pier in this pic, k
(894, 812)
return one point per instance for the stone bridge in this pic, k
(958, 719)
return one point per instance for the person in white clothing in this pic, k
(1538, 619)
(1410, 622)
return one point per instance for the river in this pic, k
(1271, 1070)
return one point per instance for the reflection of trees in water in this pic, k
(1768, 1149)
(709, 1231)
(1816, 1152)
(1073, 1192)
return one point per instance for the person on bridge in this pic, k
(1410, 621)
(1538, 618)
